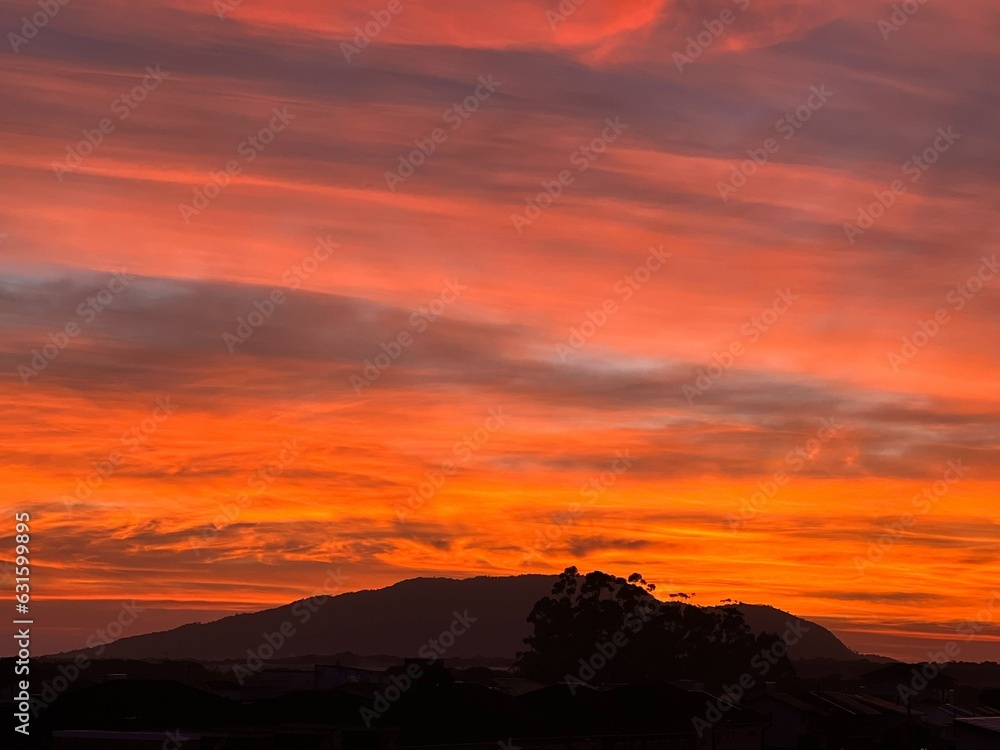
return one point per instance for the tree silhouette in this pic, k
(585, 614)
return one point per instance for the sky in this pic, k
(706, 290)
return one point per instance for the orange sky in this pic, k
(588, 342)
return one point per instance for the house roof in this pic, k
(789, 700)
(885, 706)
(833, 703)
(986, 723)
(847, 703)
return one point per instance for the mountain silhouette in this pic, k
(817, 643)
(400, 619)
(396, 620)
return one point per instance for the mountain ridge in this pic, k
(401, 618)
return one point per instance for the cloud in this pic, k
(657, 185)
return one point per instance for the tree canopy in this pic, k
(617, 628)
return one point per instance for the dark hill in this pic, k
(817, 642)
(400, 619)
